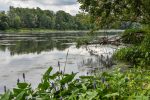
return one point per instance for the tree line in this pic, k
(16, 18)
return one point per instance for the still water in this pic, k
(32, 54)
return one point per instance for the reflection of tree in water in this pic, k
(36, 43)
(33, 46)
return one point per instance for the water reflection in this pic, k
(32, 54)
(25, 45)
(100, 58)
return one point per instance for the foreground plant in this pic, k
(117, 85)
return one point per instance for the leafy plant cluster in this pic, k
(139, 52)
(133, 56)
(115, 85)
(133, 36)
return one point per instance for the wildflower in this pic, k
(107, 86)
(72, 72)
(63, 86)
(23, 76)
(87, 73)
(5, 89)
(61, 72)
(103, 80)
(53, 85)
(18, 81)
(77, 80)
(58, 64)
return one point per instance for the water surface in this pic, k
(32, 54)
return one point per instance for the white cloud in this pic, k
(70, 6)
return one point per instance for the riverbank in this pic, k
(37, 30)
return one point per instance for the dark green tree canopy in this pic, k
(109, 11)
(37, 18)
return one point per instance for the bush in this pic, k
(133, 36)
(133, 55)
(146, 43)
(115, 85)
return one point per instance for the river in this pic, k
(33, 53)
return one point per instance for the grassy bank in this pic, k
(38, 30)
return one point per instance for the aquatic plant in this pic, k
(114, 85)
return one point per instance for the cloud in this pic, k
(57, 2)
(70, 6)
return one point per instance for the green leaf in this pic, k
(22, 85)
(86, 77)
(48, 71)
(44, 86)
(92, 95)
(84, 87)
(111, 95)
(140, 98)
(21, 96)
(54, 76)
(67, 79)
(17, 91)
(6, 96)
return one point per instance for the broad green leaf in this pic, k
(22, 85)
(17, 91)
(91, 94)
(44, 86)
(21, 96)
(6, 96)
(67, 79)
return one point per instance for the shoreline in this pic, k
(42, 31)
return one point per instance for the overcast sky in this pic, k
(70, 6)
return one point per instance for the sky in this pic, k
(70, 6)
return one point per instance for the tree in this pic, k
(63, 20)
(38, 18)
(83, 21)
(3, 21)
(107, 12)
(16, 22)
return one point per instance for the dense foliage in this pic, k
(36, 18)
(111, 12)
(138, 53)
(114, 85)
(133, 56)
(133, 36)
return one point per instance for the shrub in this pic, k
(133, 55)
(133, 36)
(146, 43)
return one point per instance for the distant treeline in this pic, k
(17, 18)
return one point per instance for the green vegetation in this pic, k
(133, 56)
(139, 51)
(18, 18)
(133, 36)
(117, 84)
(107, 13)
(130, 84)
(38, 30)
